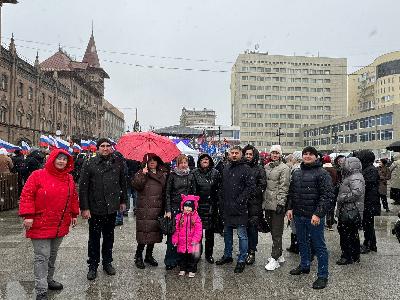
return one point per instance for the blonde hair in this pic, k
(181, 158)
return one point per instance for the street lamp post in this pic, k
(279, 134)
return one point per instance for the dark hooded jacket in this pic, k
(177, 183)
(34, 161)
(260, 177)
(206, 184)
(150, 204)
(102, 185)
(372, 204)
(310, 191)
(238, 186)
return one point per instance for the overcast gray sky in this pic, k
(214, 30)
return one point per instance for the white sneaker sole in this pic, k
(272, 269)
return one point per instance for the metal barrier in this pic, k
(8, 191)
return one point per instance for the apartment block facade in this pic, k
(274, 96)
(197, 117)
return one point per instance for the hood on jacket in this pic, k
(203, 155)
(193, 198)
(49, 166)
(352, 165)
(256, 155)
(396, 156)
(367, 158)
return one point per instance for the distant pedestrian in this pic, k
(102, 192)
(395, 179)
(372, 203)
(238, 185)
(384, 176)
(49, 205)
(187, 235)
(310, 195)
(327, 165)
(150, 184)
(275, 200)
(350, 208)
(6, 164)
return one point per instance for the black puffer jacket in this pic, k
(34, 161)
(102, 185)
(260, 177)
(310, 191)
(238, 185)
(372, 204)
(206, 184)
(177, 184)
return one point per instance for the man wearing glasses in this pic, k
(102, 192)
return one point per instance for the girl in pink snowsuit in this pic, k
(188, 234)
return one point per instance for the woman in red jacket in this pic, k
(49, 205)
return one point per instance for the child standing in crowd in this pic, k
(187, 236)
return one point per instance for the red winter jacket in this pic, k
(49, 198)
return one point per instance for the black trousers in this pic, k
(384, 201)
(188, 262)
(101, 226)
(349, 241)
(369, 230)
(149, 250)
(209, 242)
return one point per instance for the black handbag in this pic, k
(350, 215)
(167, 225)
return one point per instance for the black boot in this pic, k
(294, 247)
(139, 261)
(149, 259)
(92, 274)
(42, 296)
(251, 257)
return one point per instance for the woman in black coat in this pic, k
(179, 182)
(372, 204)
(206, 184)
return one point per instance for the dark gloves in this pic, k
(280, 209)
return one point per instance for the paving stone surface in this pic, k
(377, 276)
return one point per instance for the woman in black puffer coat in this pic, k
(207, 182)
(372, 204)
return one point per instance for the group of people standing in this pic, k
(243, 195)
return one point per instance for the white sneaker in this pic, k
(281, 259)
(272, 265)
(191, 274)
(182, 273)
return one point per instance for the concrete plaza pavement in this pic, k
(376, 277)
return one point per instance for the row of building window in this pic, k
(272, 125)
(284, 63)
(285, 116)
(269, 134)
(368, 122)
(381, 135)
(284, 79)
(284, 89)
(286, 107)
(286, 70)
(284, 98)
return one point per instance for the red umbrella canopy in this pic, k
(135, 145)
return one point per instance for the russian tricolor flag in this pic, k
(44, 141)
(63, 144)
(85, 144)
(76, 148)
(92, 146)
(8, 146)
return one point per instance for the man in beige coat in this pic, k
(6, 164)
(278, 180)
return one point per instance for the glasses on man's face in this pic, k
(105, 146)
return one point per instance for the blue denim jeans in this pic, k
(306, 234)
(243, 241)
(252, 234)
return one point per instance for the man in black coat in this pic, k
(206, 184)
(309, 199)
(372, 204)
(251, 155)
(238, 185)
(102, 192)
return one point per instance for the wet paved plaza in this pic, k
(376, 277)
